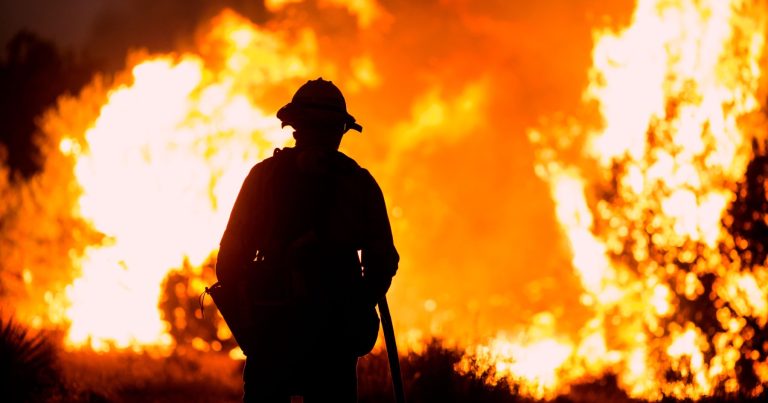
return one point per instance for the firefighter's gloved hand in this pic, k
(376, 288)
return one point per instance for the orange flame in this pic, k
(159, 154)
(672, 89)
(159, 169)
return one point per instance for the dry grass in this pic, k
(132, 377)
(196, 377)
(35, 370)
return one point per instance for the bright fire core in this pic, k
(639, 193)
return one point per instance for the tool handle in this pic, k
(394, 357)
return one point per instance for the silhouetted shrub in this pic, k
(28, 367)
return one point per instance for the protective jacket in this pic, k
(309, 230)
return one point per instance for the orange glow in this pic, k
(176, 132)
(671, 103)
(639, 186)
(533, 359)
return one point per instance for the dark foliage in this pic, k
(605, 389)
(431, 376)
(33, 73)
(747, 221)
(748, 212)
(28, 367)
(181, 307)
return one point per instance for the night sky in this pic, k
(69, 22)
(103, 30)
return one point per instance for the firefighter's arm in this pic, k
(235, 249)
(379, 256)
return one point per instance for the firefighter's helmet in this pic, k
(318, 100)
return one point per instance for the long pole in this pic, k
(394, 358)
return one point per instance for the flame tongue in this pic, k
(164, 158)
(641, 206)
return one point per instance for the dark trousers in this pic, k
(316, 377)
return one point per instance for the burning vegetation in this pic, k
(624, 239)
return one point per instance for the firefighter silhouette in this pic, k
(308, 251)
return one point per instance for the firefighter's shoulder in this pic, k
(268, 162)
(346, 163)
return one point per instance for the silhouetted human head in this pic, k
(318, 114)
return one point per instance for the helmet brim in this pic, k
(293, 112)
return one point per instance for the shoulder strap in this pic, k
(265, 203)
